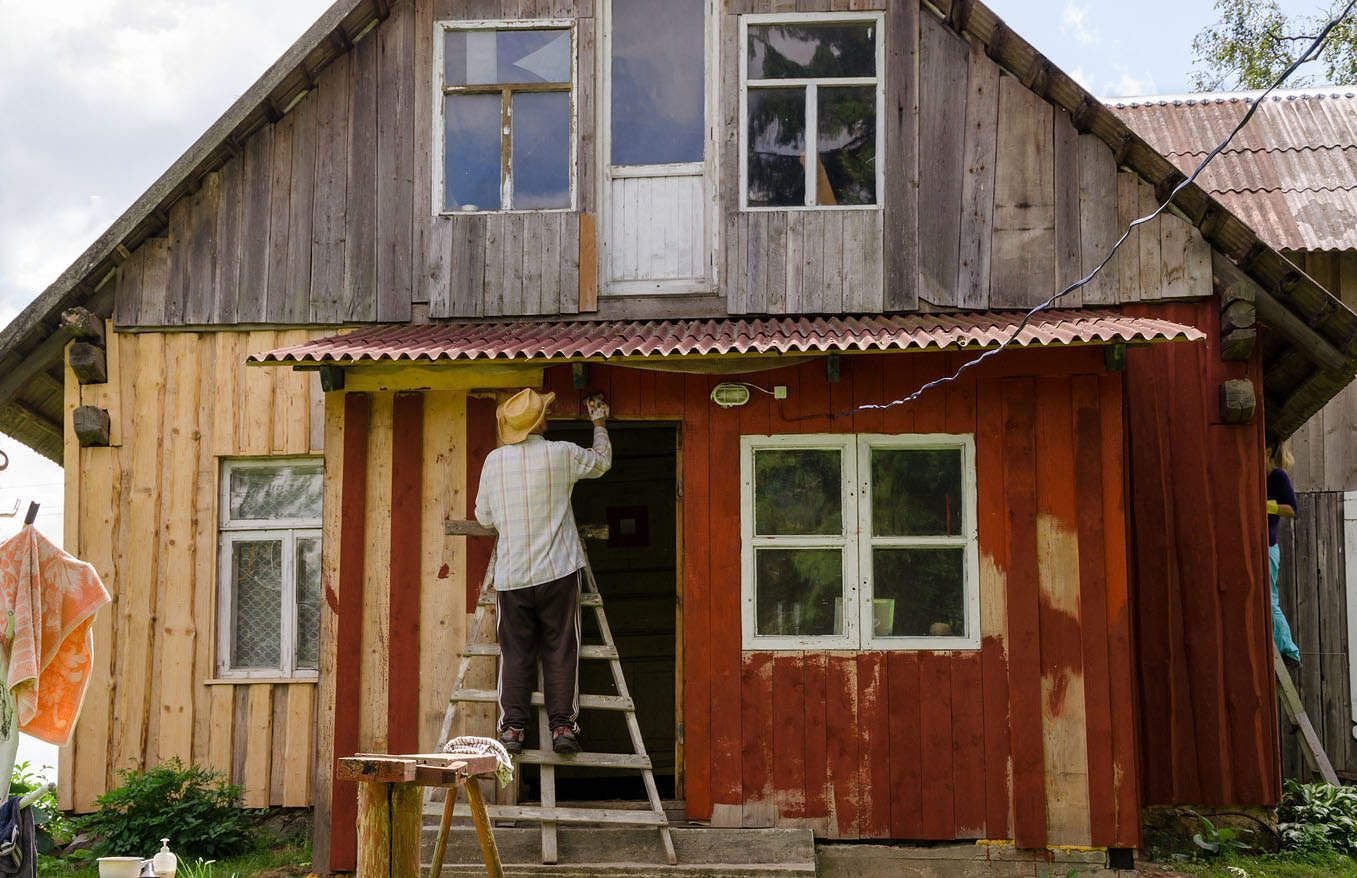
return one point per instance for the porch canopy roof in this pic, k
(567, 341)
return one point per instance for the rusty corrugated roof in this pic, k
(1291, 174)
(574, 340)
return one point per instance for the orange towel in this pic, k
(54, 598)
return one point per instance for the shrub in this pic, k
(1317, 817)
(197, 809)
(53, 828)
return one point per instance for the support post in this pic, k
(374, 831)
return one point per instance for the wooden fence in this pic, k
(1314, 593)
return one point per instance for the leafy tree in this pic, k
(1254, 41)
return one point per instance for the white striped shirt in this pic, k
(525, 495)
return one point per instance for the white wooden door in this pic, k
(658, 212)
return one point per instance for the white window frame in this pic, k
(441, 90)
(857, 541)
(812, 85)
(286, 531)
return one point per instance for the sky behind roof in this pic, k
(99, 97)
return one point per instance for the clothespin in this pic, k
(32, 515)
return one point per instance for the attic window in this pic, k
(812, 80)
(508, 117)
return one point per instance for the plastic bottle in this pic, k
(165, 863)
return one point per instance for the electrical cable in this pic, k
(1308, 55)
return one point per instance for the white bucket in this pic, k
(120, 867)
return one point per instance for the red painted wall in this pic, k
(911, 745)
(1208, 731)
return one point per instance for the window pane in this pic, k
(798, 492)
(257, 583)
(847, 145)
(286, 491)
(473, 125)
(488, 57)
(658, 82)
(308, 603)
(919, 593)
(541, 136)
(916, 493)
(812, 50)
(798, 591)
(777, 147)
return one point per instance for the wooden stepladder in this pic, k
(481, 644)
(1310, 745)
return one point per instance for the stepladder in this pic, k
(482, 646)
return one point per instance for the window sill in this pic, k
(250, 681)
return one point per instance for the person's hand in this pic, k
(598, 409)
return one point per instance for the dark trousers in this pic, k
(544, 621)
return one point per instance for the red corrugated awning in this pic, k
(563, 341)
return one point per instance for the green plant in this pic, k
(1218, 840)
(53, 828)
(1318, 817)
(198, 809)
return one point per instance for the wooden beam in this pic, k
(1238, 401)
(89, 362)
(1230, 280)
(92, 426)
(36, 360)
(34, 418)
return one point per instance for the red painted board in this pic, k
(723, 505)
(992, 518)
(841, 721)
(407, 528)
(969, 773)
(788, 735)
(696, 606)
(819, 794)
(757, 754)
(936, 742)
(906, 745)
(349, 631)
(874, 750)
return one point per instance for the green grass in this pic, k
(285, 861)
(1267, 866)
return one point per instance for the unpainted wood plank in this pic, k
(292, 395)
(301, 212)
(568, 279)
(1127, 260)
(256, 216)
(762, 265)
(204, 540)
(1069, 263)
(1173, 239)
(1022, 267)
(297, 753)
(258, 740)
(278, 746)
(588, 264)
(492, 292)
(1098, 230)
(1197, 264)
(869, 293)
(901, 196)
(201, 255)
(421, 116)
(330, 199)
(794, 262)
(812, 263)
(175, 631)
(155, 282)
(513, 264)
(728, 147)
(72, 472)
(227, 375)
(127, 295)
(276, 299)
(443, 617)
(326, 689)
(395, 160)
(372, 717)
(178, 234)
(586, 103)
(944, 62)
(832, 297)
(1151, 245)
(533, 233)
(359, 302)
(230, 233)
(437, 277)
(733, 258)
(257, 413)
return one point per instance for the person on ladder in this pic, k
(524, 495)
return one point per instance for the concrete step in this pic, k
(735, 853)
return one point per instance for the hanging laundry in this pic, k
(47, 604)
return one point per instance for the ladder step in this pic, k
(592, 760)
(587, 702)
(587, 599)
(592, 651)
(568, 815)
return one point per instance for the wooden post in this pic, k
(374, 831)
(407, 805)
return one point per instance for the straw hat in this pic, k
(519, 415)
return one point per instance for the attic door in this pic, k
(657, 213)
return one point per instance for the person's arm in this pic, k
(1281, 492)
(485, 513)
(590, 463)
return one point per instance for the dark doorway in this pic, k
(637, 573)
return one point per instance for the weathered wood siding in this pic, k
(1326, 447)
(1030, 737)
(1312, 583)
(1208, 729)
(144, 512)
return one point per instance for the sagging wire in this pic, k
(1309, 55)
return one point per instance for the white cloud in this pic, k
(1081, 76)
(1074, 23)
(1128, 85)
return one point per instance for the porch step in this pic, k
(609, 851)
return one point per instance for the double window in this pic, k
(812, 102)
(508, 116)
(269, 600)
(859, 542)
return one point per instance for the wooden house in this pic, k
(1292, 176)
(1024, 606)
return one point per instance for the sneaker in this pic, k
(512, 739)
(566, 739)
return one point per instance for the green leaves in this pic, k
(1254, 41)
(1318, 818)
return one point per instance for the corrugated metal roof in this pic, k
(560, 341)
(1291, 174)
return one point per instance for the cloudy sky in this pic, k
(99, 97)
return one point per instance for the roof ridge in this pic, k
(1232, 97)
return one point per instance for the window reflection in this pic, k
(473, 148)
(847, 145)
(777, 147)
(541, 150)
(521, 57)
(658, 81)
(812, 51)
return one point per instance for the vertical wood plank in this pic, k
(1151, 245)
(256, 215)
(944, 61)
(789, 735)
(374, 730)
(276, 299)
(569, 279)
(278, 744)
(1069, 261)
(205, 550)
(407, 581)
(222, 733)
(841, 717)
(331, 197)
(127, 296)
(1098, 230)
(395, 163)
(179, 234)
(759, 752)
(724, 529)
(907, 753)
(971, 775)
(421, 144)
(587, 91)
(901, 203)
(327, 712)
(230, 231)
(258, 746)
(977, 190)
(1022, 267)
(588, 269)
(200, 300)
(442, 614)
(297, 750)
(697, 673)
(1127, 261)
(938, 818)
(819, 785)
(874, 751)
(301, 211)
(359, 301)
